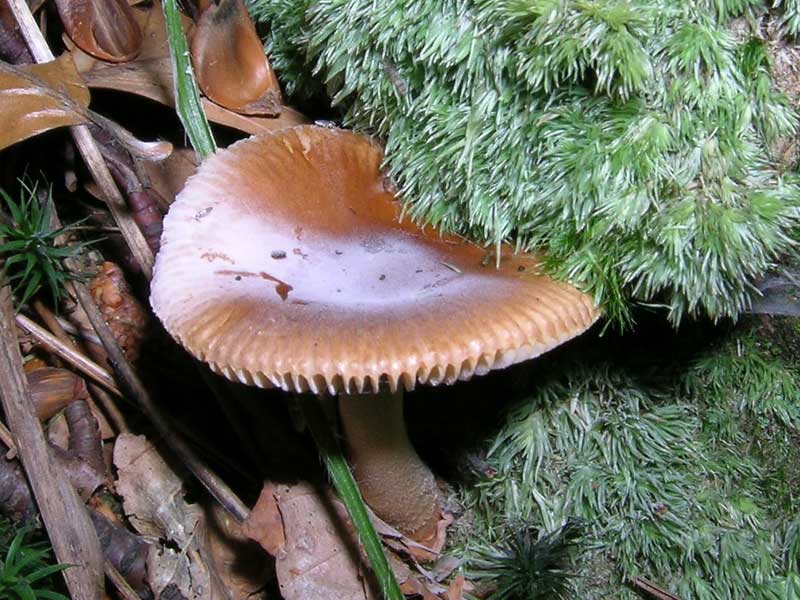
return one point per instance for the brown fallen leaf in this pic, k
(37, 98)
(229, 61)
(105, 29)
(456, 589)
(241, 563)
(153, 500)
(150, 76)
(319, 559)
(264, 524)
(52, 389)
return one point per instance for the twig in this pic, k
(122, 586)
(109, 406)
(88, 148)
(136, 390)
(71, 356)
(648, 589)
(71, 532)
(8, 440)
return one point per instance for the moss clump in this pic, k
(630, 139)
(684, 468)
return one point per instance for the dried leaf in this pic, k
(229, 61)
(242, 565)
(37, 98)
(264, 524)
(105, 29)
(152, 493)
(456, 589)
(150, 75)
(52, 389)
(126, 551)
(153, 501)
(406, 546)
(320, 558)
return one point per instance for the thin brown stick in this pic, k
(88, 148)
(106, 401)
(110, 408)
(68, 353)
(136, 390)
(650, 590)
(8, 440)
(122, 586)
(68, 526)
(51, 322)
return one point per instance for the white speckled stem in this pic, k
(393, 480)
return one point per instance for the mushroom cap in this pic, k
(285, 262)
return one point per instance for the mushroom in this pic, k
(285, 262)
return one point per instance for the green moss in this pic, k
(683, 465)
(628, 138)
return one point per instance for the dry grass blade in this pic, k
(103, 28)
(88, 149)
(68, 525)
(37, 98)
(229, 60)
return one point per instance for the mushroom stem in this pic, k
(393, 480)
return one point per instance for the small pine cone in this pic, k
(124, 314)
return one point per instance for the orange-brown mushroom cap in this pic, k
(285, 262)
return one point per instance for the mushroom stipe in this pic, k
(364, 303)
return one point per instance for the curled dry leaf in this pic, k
(319, 557)
(37, 98)
(126, 551)
(105, 29)
(52, 389)
(229, 61)
(84, 435)
(153, 500)
(150, 76)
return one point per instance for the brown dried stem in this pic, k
(118, 581)
(68, 354)
(54, 324)
(8, 440)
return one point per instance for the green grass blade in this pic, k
(24, 591)
(187, 96)
(343, 481)
(16, 543)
